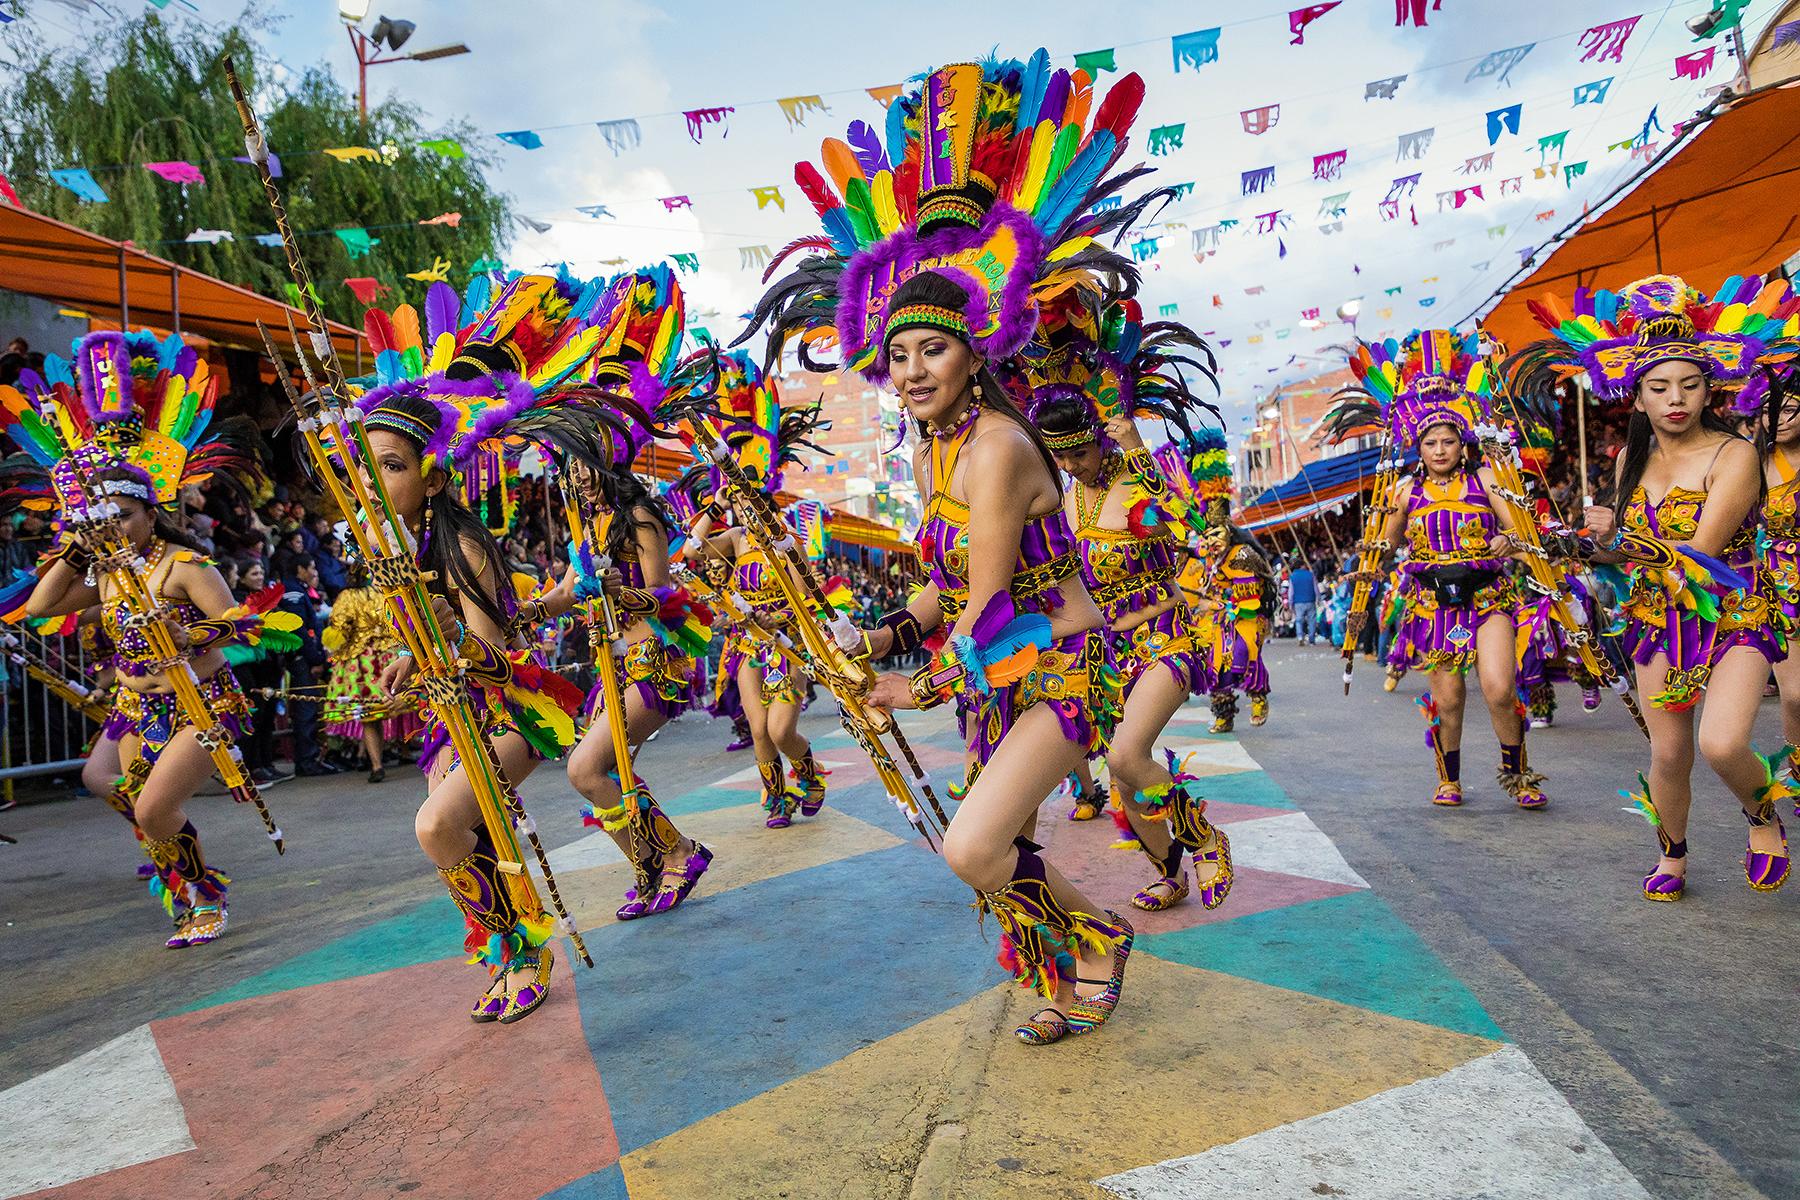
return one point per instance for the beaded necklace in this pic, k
(1084, 519)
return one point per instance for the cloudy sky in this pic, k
(559, 67)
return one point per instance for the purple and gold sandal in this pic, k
(696, 866)
(1659, 885)
(1767, 872)
(812, 783)
(1214, 890)
(525, 1001)
(489, 1006)
(211, 925)
(1089, 1014)
(1448, 795)
(1150, 901)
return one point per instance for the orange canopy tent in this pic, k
(1720, 204)
(115, 283)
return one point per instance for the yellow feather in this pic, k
(887, 213)
(577, 349)
(442, 351)
(1732, 318)
(1043, 139)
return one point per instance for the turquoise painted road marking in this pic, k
(1351, 949)
(1245, 787)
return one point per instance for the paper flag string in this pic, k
(1404, 185)
(1593, 93)
(1607, 41)
(671, 203)
(211, 237)
(595, 211)
(1495, 232)
(81, 182)
(448, 147)
(482, 266)
(292, 290)
(1395, 291)
(524, 139)
(1334, 206)
(1512, 185)
(351, 153)
(1463, 195)
(795, 108)
(1207, 237)
(7, 193)
(699, 118)
(176, 171)
(1693, 66)
(754, 256)
(1267, 222)
(1480, 164)
(620, 136)
(365, 288)
(1329, 166)
(1096, 61)
(1499, 63)
(533, 224)
(1258, 121)
(274, 163)
(687, 262)
(1281, 334)
(1258, 181)
(1300, 18)
(1551, 142)
(1144, 249)
(1625, 145)
(437, 272)
(1332, 227)
(1309, 314)
(1182, 190)
(1382, 89)
(886, 93)
(1503, 120)
(268, 239)
(1574, 171)
(451, 219)
(1165, 138)
(1195, 49)
(1730, 12)
(1415, 144)
(766, 196)
(1650, 122)
(1412, 12)
(357, 242)
(1427, 301)
(1169, 310)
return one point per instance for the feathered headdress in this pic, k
(127, 402)
(1434, 377)
(1112, 363)
(492, 367)
(764, 435)
(1616, 336)
(989, 174)
(1198, 472)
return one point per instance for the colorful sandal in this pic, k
(690, 874)
(1519, 781)
(1214, 890)
(1767, 872)
(1659, 885)
(811, 779)
(1090, 1013)
(1038, 1032)
(1259, 709)
(209, 924)
(1089, 805)
(489, 1007)
(1448, 795)
(525, 1001)
(1150, 901)
(777, 804)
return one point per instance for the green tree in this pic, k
(153, 91)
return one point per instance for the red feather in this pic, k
(824, 200)
(379, 329)
(263, 601)
(1120, 107)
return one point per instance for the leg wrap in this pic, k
(182, 879)
(774, 785)
(1039, 938)
(1542, 700)
(1179, 803)
(1224, 705)
(1517, 779)
(497, 932)
(806, 770)
(1452, 769)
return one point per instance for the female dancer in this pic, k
(118, 427)
(636, 384)
(1455, 593)
(1241, 612)
(1781, 560)
(1686, 493)
(492, 380)
(1119, 507)
(765, 438)
(931, 291)
(362, 643)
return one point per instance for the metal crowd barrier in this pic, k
(44, 734)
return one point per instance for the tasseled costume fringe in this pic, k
(500, 951)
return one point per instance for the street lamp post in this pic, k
(368, 46)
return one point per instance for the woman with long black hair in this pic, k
(1687, 500)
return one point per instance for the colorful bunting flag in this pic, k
(1415, 144)
(1693, 66)
(1593, 93)
(766, 196)
(7, 193)
(687, 262)
(1195, 49)
(1165, 138)
(754, 256)
(1258, 121)
(176, 171)
(274, 163)
(1478, 165)
(1574, 171)
(1503, 120)
(1096, 61)
(1551, 142)
(620, 136)
(211, 237)
(671, 203)
(886, 94)
(1382, 89)
(1169, 310)
(1329, 166)
(1334, 206)
(1300, 18)
(365, 288)
(437, 272)
(1498, 64)
(357, 242)
(268, 239)
(1143, 249)
(80, 181)
(533, 224)
(699, 118)
(448, 147)
(1607, 41)
(1258, 181)
(292, 291)
(795, 108)
(1412, 12)
(524, 139)
(595, 211)
(352, 153)
(452, 219)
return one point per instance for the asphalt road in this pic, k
(1670, 1027)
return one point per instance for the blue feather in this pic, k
(475, 298)
(1031, 90)
(896, 131)
(1723, 575)
(843, 234)
(1078, 179)
(388, 368)
(1026, 629)
(1606, 306)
